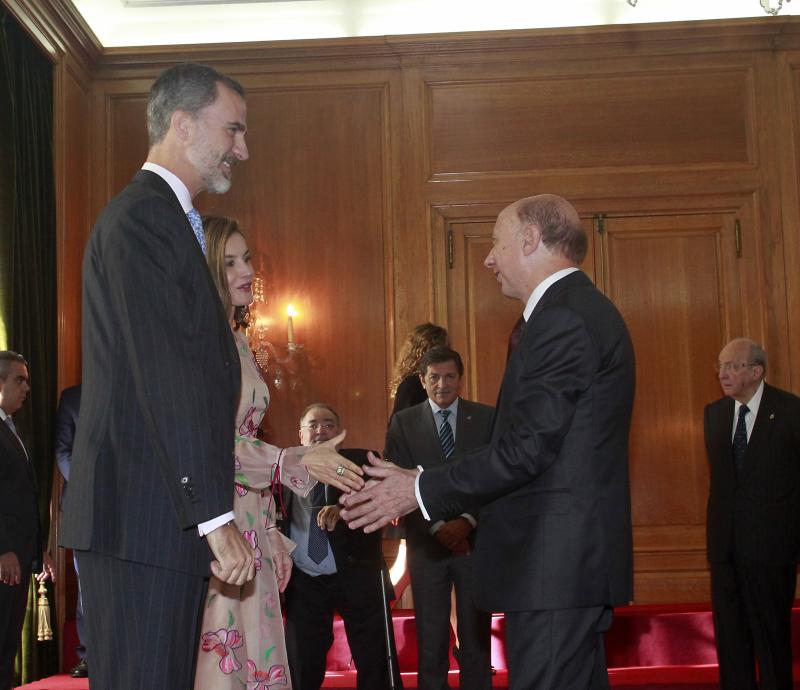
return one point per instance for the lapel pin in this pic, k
(772, 415)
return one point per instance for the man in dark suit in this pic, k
(66, 423)
(554, 543)
(21, 551)
(335, 569)
(753, 444)
(150, 496)
(431, 434)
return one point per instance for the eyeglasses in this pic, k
(314, 426)
(733, 367)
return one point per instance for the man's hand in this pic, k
(323, 463)
(453, 535)
(327, 517)
(48, 569)
(234, 562)
(381, 501)
(283, 569)
(10, 572)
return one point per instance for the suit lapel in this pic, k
(464, 427)
(10, 439)
(761, 433)
(430, 432)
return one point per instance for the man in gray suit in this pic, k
(432, 434)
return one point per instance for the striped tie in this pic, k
(446, 434)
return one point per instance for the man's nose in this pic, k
(240, 149)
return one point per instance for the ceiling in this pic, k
(119, 23)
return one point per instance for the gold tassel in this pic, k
(44, 632)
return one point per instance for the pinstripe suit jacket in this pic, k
(153, 454)
(754, 514)
(413, 439)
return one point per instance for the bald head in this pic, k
(532, 239)
(557, 221)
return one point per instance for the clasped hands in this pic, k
(387, 495)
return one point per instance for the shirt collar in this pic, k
(453, 408)
(753, 404)
(3, 415)
(541, 288)
(175, 183)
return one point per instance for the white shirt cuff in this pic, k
(471, 520)
(210, 525)
(435, 527)
(418, 495)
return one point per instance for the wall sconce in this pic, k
(283, 366)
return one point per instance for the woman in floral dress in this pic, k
(242, 642)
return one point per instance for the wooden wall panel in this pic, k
(584, 122)
(366, 153)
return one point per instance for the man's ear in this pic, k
(183, 125)
(530, 237)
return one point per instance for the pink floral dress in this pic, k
(242, 642)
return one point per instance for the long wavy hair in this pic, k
(217, 230)
(421, 339)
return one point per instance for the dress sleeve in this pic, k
(279, 542)
(257, 462)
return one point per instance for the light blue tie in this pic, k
(197, 225)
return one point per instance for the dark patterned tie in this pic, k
(197, 226)
(516, 334)
(317, 539)
(446, 434)
(740, 438)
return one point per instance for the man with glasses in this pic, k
(336, 569)
(752, 438)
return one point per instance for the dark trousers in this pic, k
(13, 602)
(432, 580)
(310, 605)
(557, 650)
(752, 606)
(142, 623)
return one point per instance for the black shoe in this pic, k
(81, 670)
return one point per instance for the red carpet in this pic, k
(661, 647)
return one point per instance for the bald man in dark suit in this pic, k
(554, 542)
(753, 444)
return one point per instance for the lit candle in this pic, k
(291, 312)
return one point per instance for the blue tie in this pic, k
(197, 225)
(446, 434)
(317, 539)
(740, 438)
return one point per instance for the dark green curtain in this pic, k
(28, 245)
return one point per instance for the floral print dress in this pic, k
(242, 643)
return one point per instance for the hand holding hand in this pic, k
(326, 465)
(10, 571)
(453, 533)
(283, 569)
(234, 562)
(48, 569)
(380, 502)
(327, 517)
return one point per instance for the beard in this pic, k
(207, 163)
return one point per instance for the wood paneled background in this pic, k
(378, 165)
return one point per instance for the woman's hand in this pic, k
(283, 569)
(326, 465)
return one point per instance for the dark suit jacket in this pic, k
(69, 405)
(19, 512)
(755, 514)
(153, 454)
(555, 526)
(413, 440)
(350, 547)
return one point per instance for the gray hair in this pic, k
(6, 357)
(757, 356)
(559, 224)
(189, 87)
